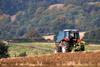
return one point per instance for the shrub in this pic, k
(23, 54)
(3, 50)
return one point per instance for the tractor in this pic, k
(69, 40)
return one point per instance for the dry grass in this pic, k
(77, 59)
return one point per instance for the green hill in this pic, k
(20, 17)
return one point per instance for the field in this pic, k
(78, 59)
(42, 55)
(36, 48)
(30, 49)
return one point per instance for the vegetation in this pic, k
(36, 48)
(24, 18)
(30, 19)
(3, 50)
(30, 49)
(93, 36)
(78, 59)
(92, 47)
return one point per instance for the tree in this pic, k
(3, 50)
(32, 34)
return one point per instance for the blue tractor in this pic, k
(69, 40)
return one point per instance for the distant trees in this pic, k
(34, 14)
(32, 34)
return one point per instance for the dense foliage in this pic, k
(19, 18)
(3, 50)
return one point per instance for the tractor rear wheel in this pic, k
(59, 49)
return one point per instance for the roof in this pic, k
(71, 30)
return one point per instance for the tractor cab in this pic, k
(67, 34)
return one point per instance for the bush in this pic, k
(23, 54)
(3, 50)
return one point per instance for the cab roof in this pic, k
(71, 30)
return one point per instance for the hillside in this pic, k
(20, 17)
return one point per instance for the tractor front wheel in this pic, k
(82, 48)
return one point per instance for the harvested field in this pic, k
(77, 59)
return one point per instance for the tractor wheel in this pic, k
(59, 49)
(82, 48)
